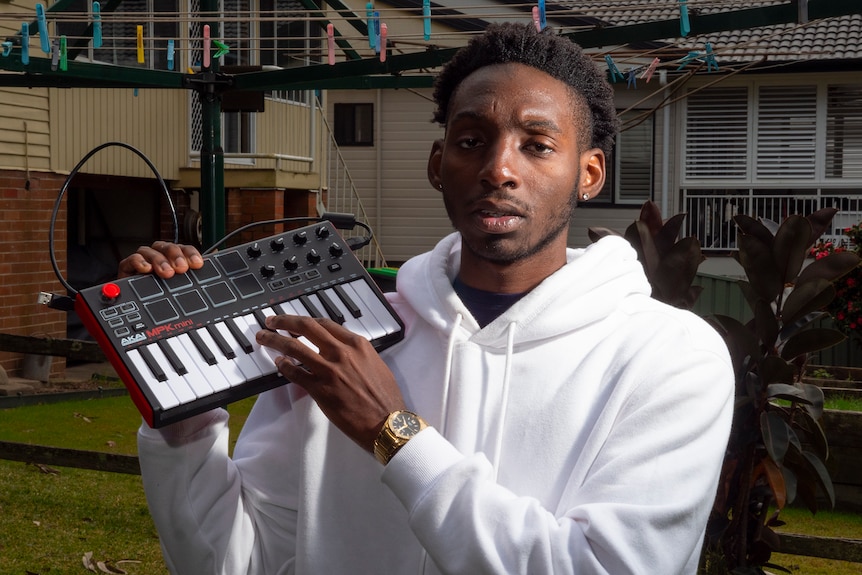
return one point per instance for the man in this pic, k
(560, 420)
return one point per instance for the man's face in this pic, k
(512, 164)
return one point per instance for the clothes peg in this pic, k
(426, 19)
(369, 17)
(383, 31)
(536, 20)
(543, 22)
(711, 63)
(377, 31)
(330, 44)
(613, 70)
(691, 57)
(55, 54)
(684, 23)
(42, 23)
(207, 46)
(221, 49)
(647, 75)
(7, 48)
(97, 25)
(171, 51)
(25, 43)
(139, 40)
(64, 59)
(632, 79)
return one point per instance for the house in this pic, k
(788, 126)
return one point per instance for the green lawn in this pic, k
(51, 516)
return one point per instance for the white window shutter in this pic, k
(786, 134)
(844, 132)
(716, 145)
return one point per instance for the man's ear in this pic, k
(592, 172)
(434, 161)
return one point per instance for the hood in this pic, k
(594, 281)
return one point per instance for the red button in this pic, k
(110, 291)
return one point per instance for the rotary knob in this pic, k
(277, 244)
(254, 250)
(299, 238)
(336, 250)
(267, 271)
(291, 263)
(322, 232)
(313, 257)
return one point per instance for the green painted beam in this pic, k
(339, 40)
(86, 75)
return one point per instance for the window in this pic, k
(629, 168)
(844, 132)
(288, 41)
(786, 132)
(238, 126)
(354, 124)
(717, 134)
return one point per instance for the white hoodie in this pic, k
(580, 432)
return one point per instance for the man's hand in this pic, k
(162, 258)
(347, 378)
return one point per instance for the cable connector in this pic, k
(340, 220)
(358, 242)
(54, 301)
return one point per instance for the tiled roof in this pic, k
(837, 38)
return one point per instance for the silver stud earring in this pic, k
(585, 197)
(440, 186)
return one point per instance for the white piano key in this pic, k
(246, 365)
(298, 309)
(350, 322)
(228, 367)
(159, 389)
(374, 326)
(175, 381)
(375, 306)
(193, 376)
(212, 375)
(259, 355)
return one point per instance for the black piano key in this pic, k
(332, 311)
(202, 348)
(349, 303)
(223, 346)
(278, 309)
(239, 336)
(172, 357)
(312, 309)
(261, 318)
(151, 362)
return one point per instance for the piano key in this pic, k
(354, 309)
(313, 310)
(159, 389)
(296, 308)
(152, 365)
(193, 377)
(259, 354)
(227, 365)
(205, 352)
(371, 323)
(264, 313)
(246, 365)
(375, 306)
(350, 322)
(175, 361)
(176, 382)
(260, 317)
(332, 311)
(220, 342)
(212, 379)
(237, 330)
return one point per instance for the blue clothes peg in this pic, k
(711, 63)
(613, 70)
(25, 43)
(42, 23)
(684, 23)
(97, 25)
(7, 48)
(369, 17)
(170, 54)
(543, 21)
(426, 19)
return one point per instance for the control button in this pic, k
(336, 250)
(322, 232)
(110, 292)
(134, 316)
(254, 250)
(299, 238)
(267, 271)
(276, 285)
(128, 307)
(139, 327)
(277, 244)
(313, 257)
(116, 322)
(294, 279)
(291, 263)
(312, 275)
(334, 267)
(121, 332)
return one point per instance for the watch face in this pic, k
(404, 424)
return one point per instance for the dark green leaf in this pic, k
(756, 258)
(651, 216)
(775, 435)
(669, 232)
(766, 323)
(597, 233)
(773, 369)
(816, 399)
(753, 227)
(810, 340)
(821, 221)
(677, 270)
(829, 268)
(789, 484)
(740, 340)
(822, 475)
(787, 392)
(806, 298)
(649, 254)
(748, 292)
(790, 246)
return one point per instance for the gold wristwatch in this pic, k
(399, 428)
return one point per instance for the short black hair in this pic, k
(553, 54)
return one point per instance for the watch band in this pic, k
(399, 427)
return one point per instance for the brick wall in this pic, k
(247, 206)
(25, 266)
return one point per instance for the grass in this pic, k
(843, 403)
(49, 520)
(51, 516)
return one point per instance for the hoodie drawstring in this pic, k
(447, 376)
